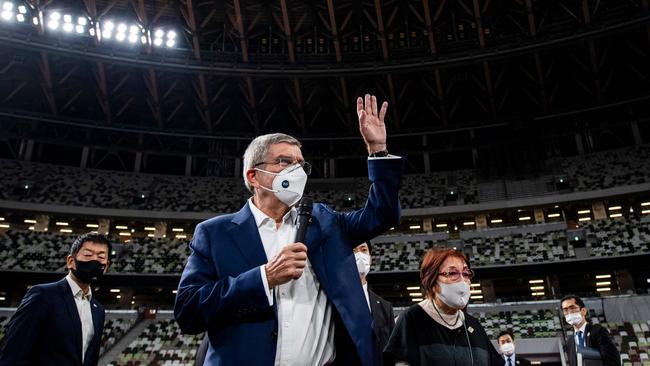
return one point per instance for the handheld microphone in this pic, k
(304, 206)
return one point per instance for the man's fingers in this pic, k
(297, 247)
(382, 112)
(368, 105)
(296, 274)
(359, 106)
(373, 101)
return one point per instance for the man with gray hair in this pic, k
(267, 300)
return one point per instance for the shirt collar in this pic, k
(76, 290)
(582, 328)
(261, 218)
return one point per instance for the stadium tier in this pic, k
(59, 185)
(43, 251)
(161, 343)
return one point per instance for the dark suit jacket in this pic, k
(221, 289)
(46, 329)
(599, 338)
(383, 320)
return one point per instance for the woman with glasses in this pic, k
(437, 331)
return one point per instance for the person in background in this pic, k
(437, 331)
(61, 323)
(587, 335)
(507, 346)
(383, 317)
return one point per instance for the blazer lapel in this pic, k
(98, 326)
(71, 307)
(246, 237)
(587, 335)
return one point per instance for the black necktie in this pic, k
(509, 361)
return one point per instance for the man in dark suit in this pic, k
(507, 346)
(383, 317)
(586, 335)
(61, 323)
(265, 299)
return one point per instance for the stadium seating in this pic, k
(608, 169)
(161, 343)
(54, 184)
(633, 341)
(617, 237)
(114, 330)
(519, 249)
(543, 323)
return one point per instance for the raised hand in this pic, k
(371, 123)
(287, 265)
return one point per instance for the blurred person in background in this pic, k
(507, 347)
(587, 335)
(61, 323)
(383, 317)
(437, 331)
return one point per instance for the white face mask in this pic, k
(507, 348)
(454, 295)
(363, 262)
(288, 185)
(573, 318)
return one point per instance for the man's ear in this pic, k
(69, 262)
(252, 178)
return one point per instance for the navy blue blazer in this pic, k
(46, 329)
(221, 289)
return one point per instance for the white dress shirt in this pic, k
(512, 359)
(85, 314)
(584, 335)
(305, 326)
(365, 291)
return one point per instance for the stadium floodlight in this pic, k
(22, 9)
(170, 43)
(55, 15)
(159, 33)
(7, 6)
(67, 18)
(68, 27)
(121, 28)
(134, 29)
(107, 34)
(109, 26)
(82, 21)
(79, 28)
(133, 38)
(143, 39)
(7, 14)
(120, 36)
(171, 35)
(157, 41)
(20, 18)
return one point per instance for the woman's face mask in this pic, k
(455, 295)
(288, 185)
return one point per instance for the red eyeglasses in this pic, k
(454, 274)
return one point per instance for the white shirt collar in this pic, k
(261, 218)
(76, 289)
